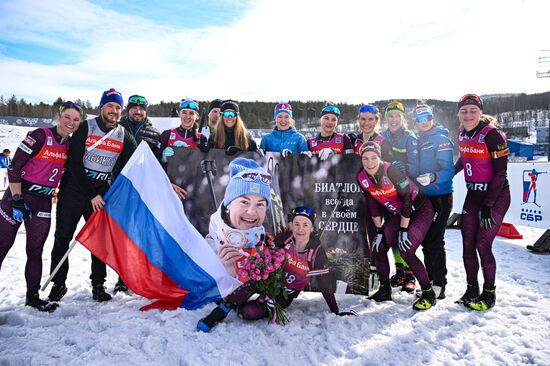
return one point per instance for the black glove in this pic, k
(353, 137)
(20, 210)
(204, 147)
(400, 166)
(486, 219)
(232, 150)
(377, 239)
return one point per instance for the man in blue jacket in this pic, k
(5, 159)
(436, 171)
(284, 138)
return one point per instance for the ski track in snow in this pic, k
(84, 332)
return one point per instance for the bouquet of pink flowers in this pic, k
(265, 269)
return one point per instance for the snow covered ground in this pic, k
(83, 331)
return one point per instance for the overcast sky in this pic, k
(343, 51)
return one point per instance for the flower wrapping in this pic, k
(265, 270)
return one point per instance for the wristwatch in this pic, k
(16, 197)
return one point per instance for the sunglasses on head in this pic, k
(70, 105)
(331, 109)
(368, 108)
(228, 114)
(473, 97)
(252, 176)
(302, 210)
(139, 100)
(395, 105)
(189, 104)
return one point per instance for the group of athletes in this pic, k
(405, 177)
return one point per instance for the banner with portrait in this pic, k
(329, 187)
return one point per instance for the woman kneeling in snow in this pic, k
(305, 258)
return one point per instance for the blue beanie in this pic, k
(257, 182)
(282, 107)
(111, 95)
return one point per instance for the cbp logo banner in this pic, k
(530, 193)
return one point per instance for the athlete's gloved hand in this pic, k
(289, 291)
(286, 152)
(426, 178)
(168, 152)
(307, 153)
(232, 150)
(404, 242)
(353, 137)
(486, 219)
(203, 146)
(326, 153)
(400, 166)
(345, 312)
(205, 131)
(378, 239)
(179, 143)
(20, 210)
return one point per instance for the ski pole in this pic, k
(56, 269)
(208, 167)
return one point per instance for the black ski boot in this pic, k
(427, 299)
(472, 292)
(439, 291)
(99, 294)
(485, 301)
(399, 277)
(33, 300)
(120, 286)
(409, 282)
(57, 292)
(216, 316)
(383, 293)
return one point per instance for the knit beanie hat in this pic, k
(370, 146)
(137, 100)
(470, 99)
(230, 104)
(111, 95)
(395, 107)
(247, 177)
(282, 107)
(216, 103)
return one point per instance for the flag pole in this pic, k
(59, 265)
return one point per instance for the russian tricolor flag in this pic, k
(144, 235)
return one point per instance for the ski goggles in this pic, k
(424, 118)
(330, 109)
(368, 108)
(470, 99)
(251, 176)
(423, 113)
(230, 114)
(138, 100)
(303, 211)
(70, 105)
(189, 104)
(395, 107)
